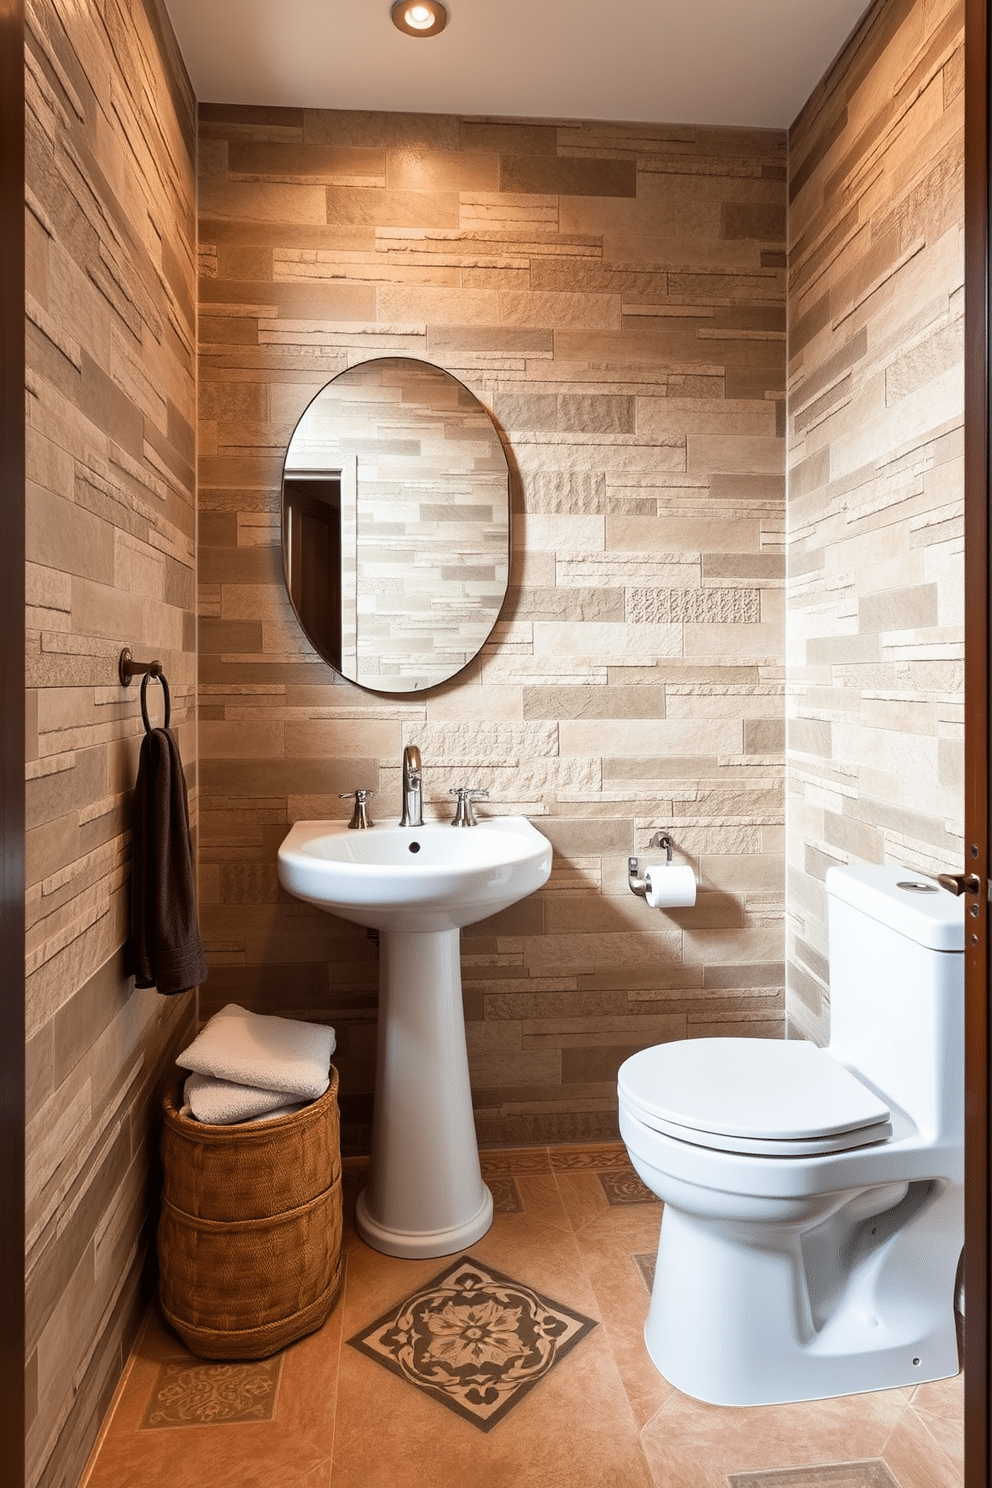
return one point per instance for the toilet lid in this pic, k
(774, 1146)
(770, 1096)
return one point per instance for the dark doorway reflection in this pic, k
(312, 539)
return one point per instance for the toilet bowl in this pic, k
(813, 1197)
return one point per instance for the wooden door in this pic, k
(12, 439)
(977, 753)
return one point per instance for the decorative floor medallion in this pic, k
(474, 1339)
(212, 1394)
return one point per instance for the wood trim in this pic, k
(977, 834)
(12, 488)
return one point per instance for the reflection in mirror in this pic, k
(396, 524)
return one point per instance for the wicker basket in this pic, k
(249, 1242)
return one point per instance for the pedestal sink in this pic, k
(418, 886)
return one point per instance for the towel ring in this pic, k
(160, 676)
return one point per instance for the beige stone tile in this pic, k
(679, 534)
(640, 736)
(507, 211)
(565, 310)
(606, 641)
(580, 912)
(602, 1032)
(233, 740)
(739, 872)
(585, 1200)
(540, 1199)
(759, 641)
(416, 169)
(695, 1445)
(462, 702)
(681, 215)
(61, 536)
(604, 952)
(567, 177)
(940, 1406)
(670, 416)
(437, 306)
(561, 534)
(258, 160)
(610, 1245)
(917, 1457)
(328, 267)
(375, 129)
(241, 202)
(318, 737)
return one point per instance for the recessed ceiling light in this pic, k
(419, 17)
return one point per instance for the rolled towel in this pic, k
(279, 1054)
(223, 1103)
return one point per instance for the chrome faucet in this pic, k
(466, 796)
(413, 798)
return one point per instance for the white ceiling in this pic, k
(717, 62)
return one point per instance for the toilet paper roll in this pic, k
(670, 886)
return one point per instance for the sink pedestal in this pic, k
(417, 886)
(425, 1194)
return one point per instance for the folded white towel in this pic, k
(279, 1054)
(284, 1111)
(222, 1103)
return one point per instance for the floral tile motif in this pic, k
(624, 1187)
(525, 1160)
(873, 1474)
(600, 1157)
(645, 1265)
(474, 1339)
(212, 1394)
(506, 1196)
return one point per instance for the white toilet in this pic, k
(814, 1200)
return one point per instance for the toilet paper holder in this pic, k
(637, 884)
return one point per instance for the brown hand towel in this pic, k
(165, 949)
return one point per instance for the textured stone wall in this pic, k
(110, 533)
(615, 296)
(875, 627)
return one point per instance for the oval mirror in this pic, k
(396, 524)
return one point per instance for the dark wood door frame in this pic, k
(978, 300)
(12, 480)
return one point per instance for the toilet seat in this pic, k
(764, 1097)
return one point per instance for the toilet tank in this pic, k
(896, 951)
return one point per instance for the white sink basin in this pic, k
(418, 886)
(434, 877)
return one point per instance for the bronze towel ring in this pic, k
(128, 669)
(144, 704)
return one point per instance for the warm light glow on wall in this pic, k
(419, 17)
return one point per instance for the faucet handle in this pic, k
(465, 810)
(360, 816)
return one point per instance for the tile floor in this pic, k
(528, 1369)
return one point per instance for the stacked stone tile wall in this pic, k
(110, 532)
(875, 621)
(615, 296)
